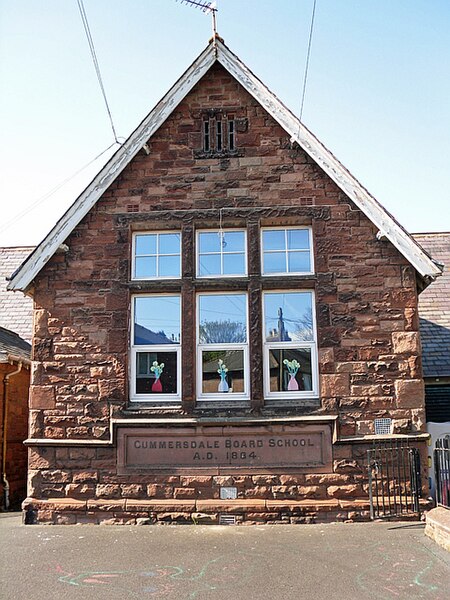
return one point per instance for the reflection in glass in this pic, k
(209, 264)
(145, 266)
(288, 317)
(286, 251)
(274, 262)
(157, 255)
(233, 264)
(297, 239)
(146, 378)
(299, 262)
(169, 243)
(222, 319)
(280, 375)
(233, 241)
(209, 241)
(221, 253)
(145, 244)
(157, 320)
(232, 362)
(274, 239)
(169, 266)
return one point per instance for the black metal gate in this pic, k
(442, 471)
(394, 480)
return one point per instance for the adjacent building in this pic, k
(16, 317)
(434, 313)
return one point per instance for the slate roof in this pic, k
(434, 308)
(16, 310)
(13, 344)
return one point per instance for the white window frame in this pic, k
(221, 254)
(312, 345)
(135, 349)
(286, 251)
(220, 396)
(157, 255)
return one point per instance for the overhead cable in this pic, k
(41, 199)
(308, 54)
(96, 65)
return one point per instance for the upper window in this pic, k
(156, 255)
(156, 348)
(290, 348)
(286, 251)
(221, 253)
(222, 341)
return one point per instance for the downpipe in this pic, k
(5, 433)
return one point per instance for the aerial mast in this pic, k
(206, 7)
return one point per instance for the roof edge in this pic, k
(24, 275)
(387, 224)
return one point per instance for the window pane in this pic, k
(145, 244)
(156, 320)
(290, 370)
(274, 262)
(223, 319)
(209, 264)
(233, 241)
(169, 266)
(162, 379)
(288, 317)
(230, 380)
(274, 239)
(298, 239)
(145, 267)
(233, 264)
(209, 242)
(298, 262)
(142, 366)
(169, 243)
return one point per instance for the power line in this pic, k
(41, 199)
(305, 77)
(96, 65)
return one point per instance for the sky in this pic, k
(378, 92)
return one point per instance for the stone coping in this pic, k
(207, 506)
(361, 439)
(438, 526)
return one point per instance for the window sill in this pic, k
(139, 285)
(220, 404)
(292, 403)
(219, 153)
(142, 407)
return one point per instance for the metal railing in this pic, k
(394, 480)
(442, 471)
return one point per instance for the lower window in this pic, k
(290, 347)
(156, 373)
(222, 342)
(156, 348)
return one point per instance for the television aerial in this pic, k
(206, 7)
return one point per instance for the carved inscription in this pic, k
(224, 448)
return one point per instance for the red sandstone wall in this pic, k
(17, 431)
(369, 348)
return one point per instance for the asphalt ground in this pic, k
(336, 561)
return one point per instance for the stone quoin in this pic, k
(224, 306)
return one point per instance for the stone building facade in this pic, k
(14, 388)
(221, 320)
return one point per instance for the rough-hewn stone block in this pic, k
(406, 342)
(335, 385)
